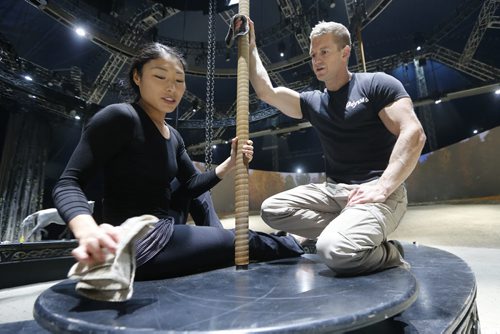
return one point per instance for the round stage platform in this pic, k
(290, 295)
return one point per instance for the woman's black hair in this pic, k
(146, 53)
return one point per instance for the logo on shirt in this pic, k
(354, 104)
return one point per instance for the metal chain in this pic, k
(210, 85)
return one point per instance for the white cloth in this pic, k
(113, 280)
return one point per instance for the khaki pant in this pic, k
(351, 240)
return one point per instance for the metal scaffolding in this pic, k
(484, 20)
(473, 68)
(292, 10)
(142, 22)
(425, 111)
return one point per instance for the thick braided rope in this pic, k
(241, 177)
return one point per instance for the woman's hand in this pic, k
(95, 241)
(247, 151)
(230, 163)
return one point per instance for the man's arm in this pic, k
(400, 120)
(282, 98)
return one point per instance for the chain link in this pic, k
(210, 85)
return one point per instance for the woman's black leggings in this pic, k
(193, 249)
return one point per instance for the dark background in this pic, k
(390, 40)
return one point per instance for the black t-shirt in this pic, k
(137, 162)
(355, 142)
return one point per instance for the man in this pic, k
(371, 140)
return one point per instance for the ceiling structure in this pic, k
(458, 60)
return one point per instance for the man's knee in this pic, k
(272, 210)
(340, 254)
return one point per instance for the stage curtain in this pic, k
(22, 170)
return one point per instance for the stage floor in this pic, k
(470, 231)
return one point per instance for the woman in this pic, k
(139, 155)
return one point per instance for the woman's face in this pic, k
(162, 83)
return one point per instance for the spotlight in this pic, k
(438, 101)
(474, 131)
(195, 105)
(77, 117)
(214, 146)
(27, 77)
(419, 40)
(80, 32)
(497, 92)
(281, 49)
(299, 170)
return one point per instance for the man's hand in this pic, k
(251, 33)
(367, 193)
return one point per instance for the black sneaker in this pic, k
(398, 245)
(309, 246)
(280, 233)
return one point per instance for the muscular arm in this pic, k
(282, 98)
(400, 120)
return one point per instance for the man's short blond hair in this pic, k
(339, 32)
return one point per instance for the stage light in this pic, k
(438, 101)
(195, 105)
(27, 77)
(77, 117)
(474, 131)
(419, 40)
(299, 170)
(281, 49)
(80, 32)
(497, 92)
(214, 146)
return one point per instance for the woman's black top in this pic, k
(137, 162)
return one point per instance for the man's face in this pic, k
(327, 59)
